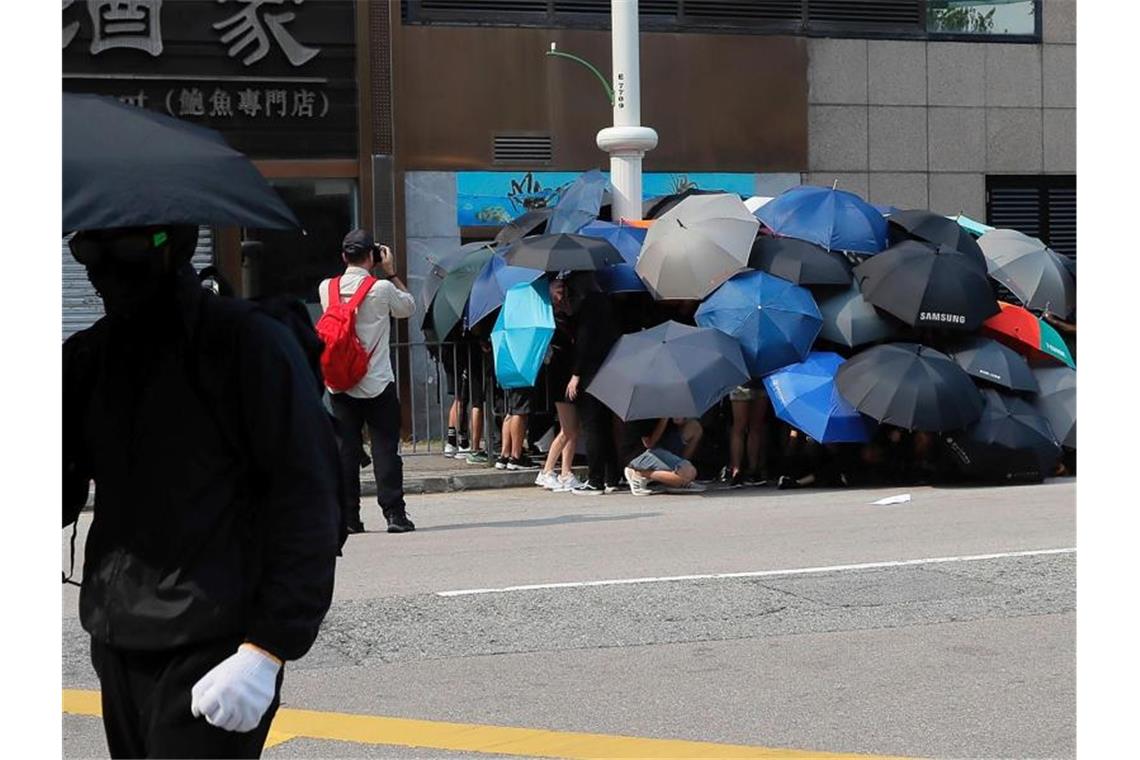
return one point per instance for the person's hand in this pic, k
(386, 261)
(572, 388)
(235, 694)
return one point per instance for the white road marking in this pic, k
(758, 573)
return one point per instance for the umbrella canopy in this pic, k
(124, 166)
(491, 286)
(580, 204)
(1035, 274)
(848, 320)
(696, 246)
(671, 370)
(562, 252)
(451, 299)
(1057, 402)
(1010, 439)
(972, 226)
(910, 386)
(775, 321)
(756, 201)
(799, 262)
(521, 335)
(655, 208)
(1025, 333)
(994, 363)
(626, 238)
(919, 224)
(441, 265)
(804, 396)
(834, 219)
(532, 222)
(620, 278)
(926, 286)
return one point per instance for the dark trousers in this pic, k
(146, 703)
(382, 415)
(601, 453)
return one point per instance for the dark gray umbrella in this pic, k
(580, 204)
(988, 360)
(1057, 402)
(1037, 276)
(1011, 440)
(799, 261)
(920, 224)
(532, 222)
(671, 370)
(124, 166)
(910, 386)
(657, 207)
(848, 320)
(926, 286)
(563, 252)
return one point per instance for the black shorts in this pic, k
(520, 400)
(468, 387)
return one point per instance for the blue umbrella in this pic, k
(804, 396)
(775, 321)
(580, 203)
(620, 278)
(491, 286)
(522, 334)
(835, 219)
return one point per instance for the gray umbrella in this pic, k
(580, 203)
(850, 321)
(671, 370)
(697, 245)
(1035, 274)
(1057, 402)
(988, 360)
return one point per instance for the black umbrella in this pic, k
(532, 222)
(1038, 277)
(125, 166)
(910, 386)
(988, 360)
(848, 320)
(563, 252)
(926, 286)
(1010, 440)
(1057, 402)
(920, 224)
(671, 370)
(658, 206)
(798, 261)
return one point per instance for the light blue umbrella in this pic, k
(804, 396)
(972, 226)
(580, 203)
(619, 278)
(491, 286)
(835, 219)
(522, 334)
(775, 321)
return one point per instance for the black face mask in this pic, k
(131, 270)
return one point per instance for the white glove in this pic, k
(236, 693)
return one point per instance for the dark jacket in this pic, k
(215, 469)
(596, 332)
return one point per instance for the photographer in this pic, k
(373, 400)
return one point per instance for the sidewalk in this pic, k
(435, 473)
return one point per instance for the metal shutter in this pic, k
(1042, 206)
(82, 306)
(849, 16)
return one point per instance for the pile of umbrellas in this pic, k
(853, 316)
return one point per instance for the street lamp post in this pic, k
(627, 140)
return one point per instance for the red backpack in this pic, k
(344, 362)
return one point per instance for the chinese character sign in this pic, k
(245, 28)
(271, 103)
(135, 24)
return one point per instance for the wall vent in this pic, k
(529, 148)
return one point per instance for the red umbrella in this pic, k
(1022, 331)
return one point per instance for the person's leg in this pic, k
(568, 418)
(691, 434)
(757, 412)
(507, 433)
(350, 420)
(476, 427)
(518, 435)
(554, 454)
(679, 478)
(122, 723)
(383, 415)
(737, 436)
(597, 432)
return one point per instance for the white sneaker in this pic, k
(542, 478)
(450, 449)
(690, 488)
(461, 452)
(561, 485)
(638, 485)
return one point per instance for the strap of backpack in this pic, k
(334, 291)
(361, 292)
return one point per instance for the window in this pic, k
(1043, 206)
(977, 18)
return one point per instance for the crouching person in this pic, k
(650, 466)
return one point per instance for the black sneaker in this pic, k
(355, 526)
(736, 481)
(398, 522)
(755, 479)
(501, 463)
(521, 463)
(588, 490)
(786, 481)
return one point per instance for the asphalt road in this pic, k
(963, 657)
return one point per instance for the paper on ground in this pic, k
(902, 498)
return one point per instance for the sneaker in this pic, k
(691, 488)
(542, 478)
(565, 485)
(462, 450)
(398, 522)
(613, 489)
(477, 457)
(355, 526)
(450, 449)
(521, 463)
(736, 481)
(755, 479)
(588, 489)
(501, 463)
(785, 482)
(638, 485)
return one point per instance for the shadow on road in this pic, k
(540, 522)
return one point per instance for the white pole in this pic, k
(627, 140)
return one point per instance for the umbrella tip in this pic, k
(835, 184)
(553, 46)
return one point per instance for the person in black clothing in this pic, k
(212, 548)
(596, 331)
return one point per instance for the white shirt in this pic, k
(383, 301)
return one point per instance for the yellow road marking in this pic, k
(291, 723)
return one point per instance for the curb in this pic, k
(478, 480)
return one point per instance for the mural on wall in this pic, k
(495, 198)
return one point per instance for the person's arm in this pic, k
(401, 303)
(76, 468)
(1060, 324)
(659, 430)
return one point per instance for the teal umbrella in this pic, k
(522, 334)
(972, 226)
(451, 298)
